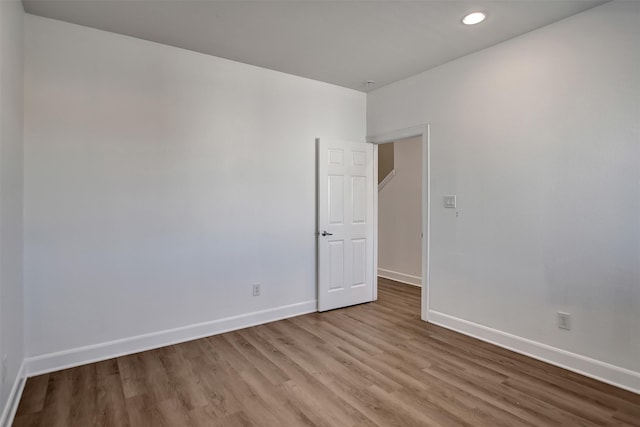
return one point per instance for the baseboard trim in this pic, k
(94, 353)
(601, 371)
(10, 409)
(400, 277)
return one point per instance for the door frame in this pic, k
(422, 131)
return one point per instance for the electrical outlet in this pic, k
(564, 320)
(256, 289)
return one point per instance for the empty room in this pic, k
(319, 213)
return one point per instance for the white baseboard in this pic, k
(601, 371)
(9, 411)
(400, 277)
(94, 353)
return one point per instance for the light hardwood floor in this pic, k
(374, 364)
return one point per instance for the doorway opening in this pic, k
(400, 213)
(401, 206)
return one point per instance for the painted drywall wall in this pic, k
(539, 138)
(385, 160)
(400, 215)
(160, 184)
(11, 284)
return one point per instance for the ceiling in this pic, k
(341, 42)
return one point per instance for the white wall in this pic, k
(11, 285)
(400, 216)
(161, 183)
(539, 137)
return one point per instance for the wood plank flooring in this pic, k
(374, 364)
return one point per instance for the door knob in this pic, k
(324, 233)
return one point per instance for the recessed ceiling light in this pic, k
(474, 18)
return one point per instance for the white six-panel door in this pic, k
(345, 223)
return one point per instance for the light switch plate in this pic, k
(450, 201)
